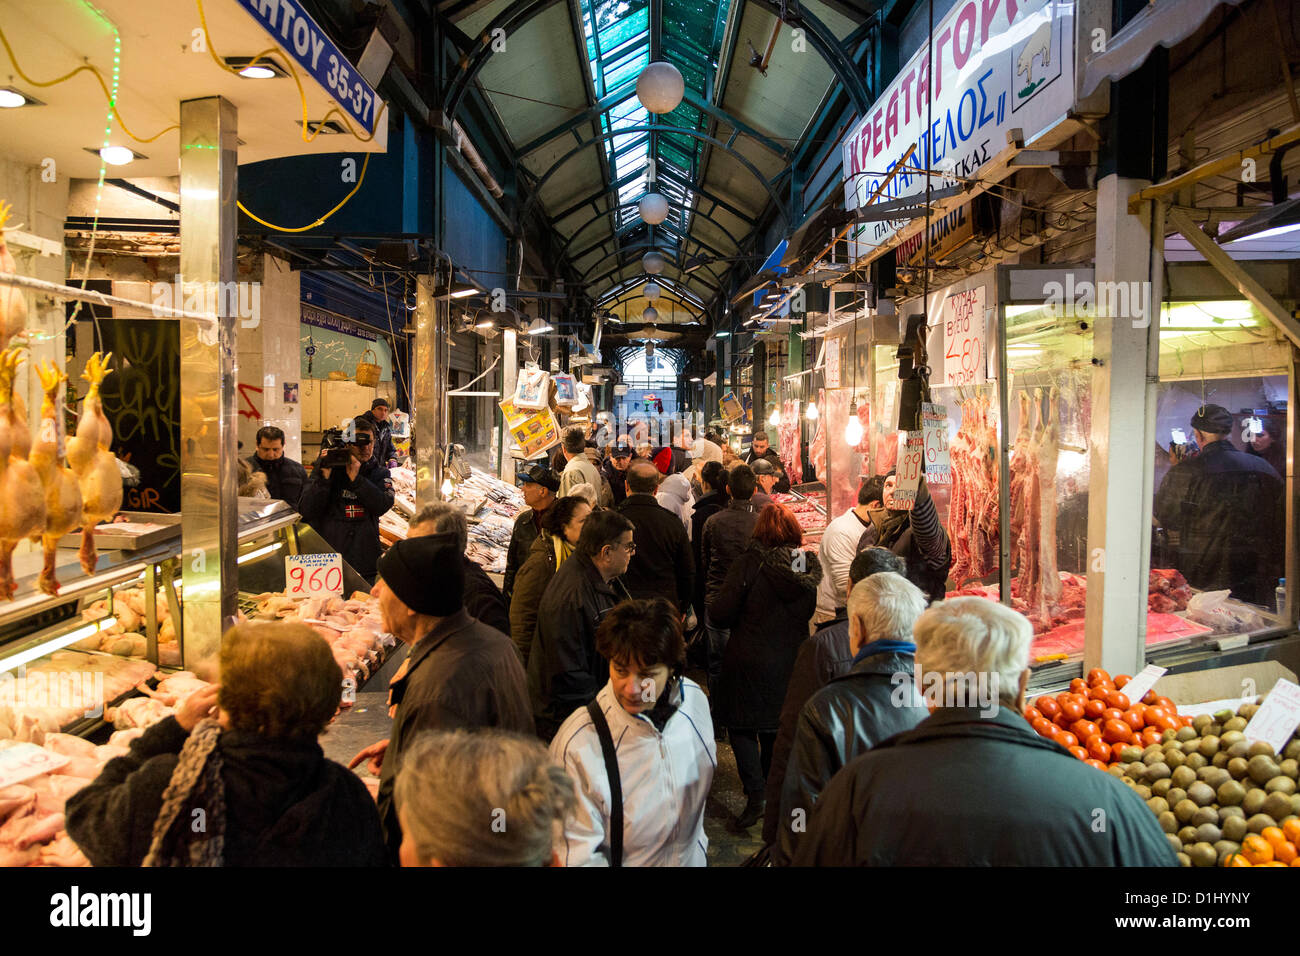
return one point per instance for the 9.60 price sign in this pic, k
(963, 337)
(313, 575)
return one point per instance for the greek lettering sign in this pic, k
(999, 64)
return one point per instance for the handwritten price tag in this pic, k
(934, 426)
(1277, 718)
(909, 471)
(963, 337)
(1142, 682)
(24, 761)
(313, 575)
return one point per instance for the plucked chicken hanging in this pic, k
(93, 464)
(13, 305)
(48, 457)
(22, 500)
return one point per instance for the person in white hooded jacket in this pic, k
(675, 494)
(662, 737)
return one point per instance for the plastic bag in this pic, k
(566, 389)
(533, 388)
(1213, 609)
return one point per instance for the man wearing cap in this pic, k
(761, 448)
(540, 486)
(460, 673)
(384, 452)
(767, 479)
(1223, 511)
(615, 470)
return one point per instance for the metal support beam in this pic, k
(209, 167)
(427, 399)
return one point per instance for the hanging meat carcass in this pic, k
(973, 503)
(13, 304)
(62, 493)
(22, 500)
(1018, 468)
(817, 447)
(1049, 452)
(92, 462)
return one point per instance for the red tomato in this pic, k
(1096, 763)
(1068, 740)
(1111, 713)
(1098, 692)
(1167, 704)
(1079, 686)
(1094, 709)
(1098, 749)
(1043, 727)
(1071, 710)
(1139, 708)
(1117, 750)
(1154, 713)
(1133, 719)
(1032, 714)
(1150, 735)
(1121, 680)
(1186, 721)
(1118, 700)
(1078, 752)
(1150, 697)
(1048, 707)
(1097, 674)
(1083, 729)
(1115, 731)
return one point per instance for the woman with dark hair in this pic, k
(713, 482)
(645, 807)
(561, 526)
(254, 773)
(767, 600)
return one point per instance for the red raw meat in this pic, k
(817, 448)
(973, 502)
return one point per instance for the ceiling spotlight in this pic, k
(485, 323)
(258, 72)
(651, 291)
(721, 335)
(11, 99)
(539, 327)
(696, 378)
(660, 87)
(653, 262)
(653, 208)
(116, 155)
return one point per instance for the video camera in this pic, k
(335, 450)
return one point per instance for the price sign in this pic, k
(24, 761)
(1142, 682)
(963, 337)
(1277, 718)
(909, 471)
(934, 426)
(313, 575)
(833, 363)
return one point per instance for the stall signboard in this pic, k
(732, 409)
(963, 337)
(313, 575)
(301, 38)
(310, 315)
(999, 66)
(948, 233)
(535, 430)
(934, 426)
(909, 470)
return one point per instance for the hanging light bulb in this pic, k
(651, 291)
(812, 413)
(775, 418)
(660, 87)
(447, 487)
(651, 314)
(653, 262)
(653, 208)
(853, 430)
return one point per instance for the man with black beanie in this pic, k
(460, 673)
(1223, 511)
(384, 453)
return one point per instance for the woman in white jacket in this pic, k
(661, 737)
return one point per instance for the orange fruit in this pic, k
(1291, 829)
(1273, 835)
(1257, 850)
(1272, 863)
(1285, 852)
(1238, 860)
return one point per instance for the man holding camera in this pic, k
(347, 492)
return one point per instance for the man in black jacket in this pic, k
(974, 785)
(539, 485)
(614, 470)
(460, 673)
(726, 534)
(856, 711)
(663, 565)
(564, 670)
(285, 477)
(760, 448)
(378, 418)
(917, 535)
(344, 503)
(483, 599)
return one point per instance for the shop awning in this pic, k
(1164, 22)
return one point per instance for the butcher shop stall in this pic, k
(1003, 420)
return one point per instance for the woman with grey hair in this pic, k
(488, 798)
(972, 784)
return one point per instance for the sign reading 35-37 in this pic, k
(302, 38)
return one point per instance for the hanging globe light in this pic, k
(653, 208)
(812, 413)
(660, 87)
(653, 262)
(651, 314)
(651, 291)
(775, 418)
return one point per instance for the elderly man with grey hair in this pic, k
(972, 784)
(856, 711)
(483, 599)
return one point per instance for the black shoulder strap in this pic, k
(615, 783)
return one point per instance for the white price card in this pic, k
(934, 426)
(313, 575)
(24, 761)
(1277, 718)
(909, 471)
(1142, 682)
(963, 337)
